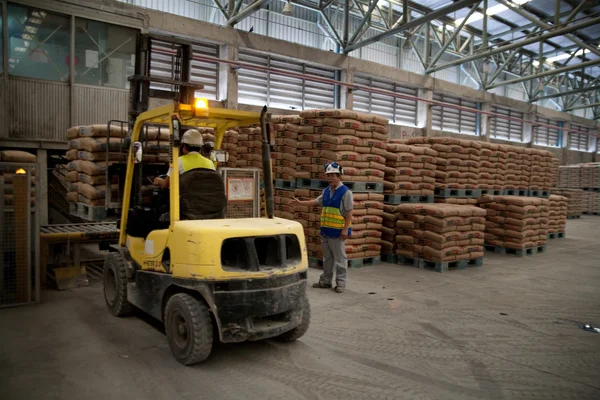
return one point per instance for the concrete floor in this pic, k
(507, 330)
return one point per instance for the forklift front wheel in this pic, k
(189, 329)
(115, 285)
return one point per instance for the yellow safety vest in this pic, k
(195, 160)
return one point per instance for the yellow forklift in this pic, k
(204, 276)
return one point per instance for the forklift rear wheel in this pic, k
(189, 329)
(115, 285)
(301, 329)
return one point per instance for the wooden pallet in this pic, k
(352, 263)
(591, 213)
(516, 192)
(389, 258)
(539, 193)
(516, 252)
(356, 187)
(440, 266)
(556, 235)
(493, 192)
(285, 185)
(457, 192)
(594, 189)
(88, 213)
(407, 198)
(573, 216)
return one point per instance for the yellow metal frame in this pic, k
(219, 119)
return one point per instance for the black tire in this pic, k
(301, 329)
(115, 285)
(189, 329)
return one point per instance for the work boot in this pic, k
(321, 285)
(339, 289)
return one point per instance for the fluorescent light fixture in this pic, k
(21, 49)
(40, 14)
(520, 2)
(35, 21)
(31, 29)
(26, 36)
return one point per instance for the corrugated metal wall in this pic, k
(38, 109)
(97, 105)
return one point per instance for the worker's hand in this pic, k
(157, 181)
(344, 234)
(294, 202)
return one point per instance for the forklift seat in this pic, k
(202, 195)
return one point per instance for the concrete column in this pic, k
(347, 93)
(228, 77)
(566, 143)
(528, 129)
(486, 123)
(424, 111)
(41, 188)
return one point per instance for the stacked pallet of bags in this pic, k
(515, 222)
(287, 133)
(569, 176)
(389, 231)
(576, 200)
(439, 232)
(458, 163)
(590, 175)
(357, 142)
(492, 169)
(554, 171)
(541, 173)
(249, 141)
(518, 168)
(411, 170)
(230, 145)
(8, 173)
(91, 150)
(557, 216)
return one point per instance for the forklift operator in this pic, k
(191, 157)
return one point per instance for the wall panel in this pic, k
(97, 105)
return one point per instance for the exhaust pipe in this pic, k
(266, 160)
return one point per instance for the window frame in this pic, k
(578, 138)
(437, 117)
(547, 133)
(511, 126)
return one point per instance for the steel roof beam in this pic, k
(521, 43)
(545, 73)
(536, 20)
(248, 11)
(435, 14)
(568, 93)
(582, 107)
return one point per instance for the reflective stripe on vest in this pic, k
(332, 221)
(195, 160)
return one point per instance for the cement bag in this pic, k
(101, 156)
(17, 156)
(151, 133)
(72, 197)
(88, 167)
(344, 123)
(341, 139)
(102, 131)
(311, 122)
(72, 176)
(95, 192)
(329, 113)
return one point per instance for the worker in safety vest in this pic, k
(336, 227)
(191, 158)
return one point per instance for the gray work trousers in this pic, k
(334, 256)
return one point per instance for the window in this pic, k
(38, 43)
(104, 54)
(579, 141)
(506, 129)
(279, 91)
(205, 73)
(546, 136)
(397, 110)
(449, 119)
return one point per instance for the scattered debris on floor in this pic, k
(590, 328)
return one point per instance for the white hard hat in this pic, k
(192, 137)
(334, 168)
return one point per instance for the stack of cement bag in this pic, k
(411, 170)
(492, 170)
(287, 132)
(389, 230)
(230, 144)
(249, 153)
(440, 232)
(590, 176)
(554, 170)
(591, 202)
(7, 173)
(569, 176)
(557, 217)
(576, 202)
(541, 172)
(91, 150)
(518, 168)
(515, 222)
